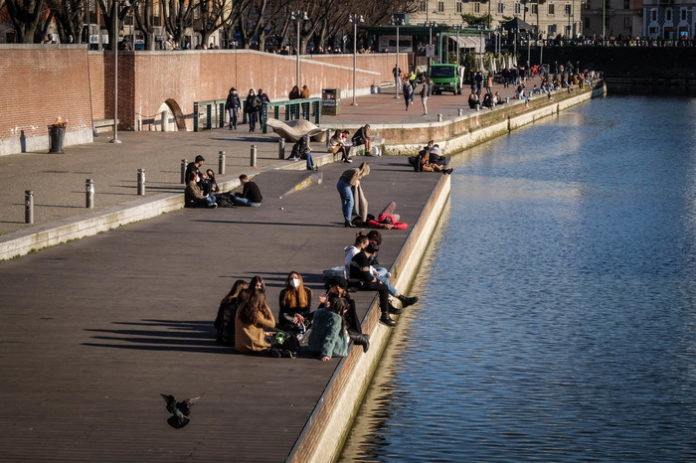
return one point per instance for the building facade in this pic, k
(669, 19)
(612, 18)
(551, 17)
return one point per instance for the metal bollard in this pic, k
(252, 162)
(221, 163)
(328, 138)
(439, 117)
(281, 148)
(28, 206)
(89, 193)
(141, 182)
(460, 112)
(183, 171)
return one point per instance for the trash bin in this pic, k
(57, 137)
(330, 101)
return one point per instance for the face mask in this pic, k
(295, 282)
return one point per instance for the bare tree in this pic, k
(107, 9)
(178, 14)
(29, 19)
(213, 13)
(70, 17)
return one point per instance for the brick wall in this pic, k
(43, 82)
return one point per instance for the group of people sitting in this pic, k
(246, 322)
(430, 159)
(202, 189)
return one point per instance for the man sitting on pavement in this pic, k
(250, 195)
(195, 167)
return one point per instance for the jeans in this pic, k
(347, 200)
(385, 280)
(310, 162)
(244, 201)
(233, 117)
(252, 120)
(211, 199)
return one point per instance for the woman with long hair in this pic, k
(224, 322)
(329, 335)
(254, 332)
(295, 303)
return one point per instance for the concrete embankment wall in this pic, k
(324, 433)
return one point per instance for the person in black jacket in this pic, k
(224, 322)
(252, 105)
(360, 273)
(250, 195)
(295, 303)
(232, 106)
(263, 98)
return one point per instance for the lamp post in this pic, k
(355, 18)
(480, 29)
(397, 21)
(115, 48)
(457, 27)
(298, 16)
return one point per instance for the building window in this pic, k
(653, 15)
(587, 22)
(423, 6)
(567, 10)
(501, 8)
(627, 23)
(441, 7)
(518, 9)
(668, 14)
(652, 30)
(627, 4)
(477, 7)
(552, 30)
(535, 8)
(552, 9)
(459, 7)
(682, 14)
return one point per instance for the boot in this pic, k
(387, 320)
(394, 310)
(406, 301)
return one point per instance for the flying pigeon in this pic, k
(179, 410)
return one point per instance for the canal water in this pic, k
(557, 319)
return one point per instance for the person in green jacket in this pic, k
(329, 336)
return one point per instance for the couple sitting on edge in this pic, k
(194, 195)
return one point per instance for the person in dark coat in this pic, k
(232, 106)
(250, 195)
(264, 104)
(252, 105)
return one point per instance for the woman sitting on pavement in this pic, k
(193, 196)
(473, 100)
(295, 303)
(337, 287)
(224, 322)
(329, 336)
(336, 144)
(253, 324)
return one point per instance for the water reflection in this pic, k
(557, 317)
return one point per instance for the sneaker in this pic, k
(406, 301)
(349, 160)
(387, 320)
(394, 310)
(213, 206)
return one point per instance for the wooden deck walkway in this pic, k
(94, 330)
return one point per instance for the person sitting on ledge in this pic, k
(329, 336)
(473, 100)
(336, 145)
(362, 137)
(362, 278)
(193, 196)
(250, 195)
(337, 287)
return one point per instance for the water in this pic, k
(557, 317)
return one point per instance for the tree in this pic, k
(70, 17)
(107, 9)
(29, 19)
(178, 14)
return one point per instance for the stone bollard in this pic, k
(281, 148)
(460, 112)
(252, 161)
(439, 117)
(141, 182)
(221, 162)
(183, 171)
(28, 206)
(89, 193)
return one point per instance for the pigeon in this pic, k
(179, 410)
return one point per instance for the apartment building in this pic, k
(669, 19)
(612, 18)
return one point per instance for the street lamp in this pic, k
(397, 21)
(457, 27)
(480, 29)
(298, 16)
(355, 19)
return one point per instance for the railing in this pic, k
(211, 114)
(208, 115)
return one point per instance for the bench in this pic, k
(103, 126)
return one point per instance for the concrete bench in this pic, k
(103, 125)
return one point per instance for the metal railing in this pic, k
(208, 115)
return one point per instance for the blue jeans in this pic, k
(244, 201)
(310, 162)
(252, 120)
(347, 200)
(211, 199)
(387, 283)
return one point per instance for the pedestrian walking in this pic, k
(424, 94)
(408, 93)
(232, 106)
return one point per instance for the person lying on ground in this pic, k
(388, 219)
(224, 321)
(254, 328)
(295, 303)
(193, 196)
(250, 195)
(337, 287)
(329, 336)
